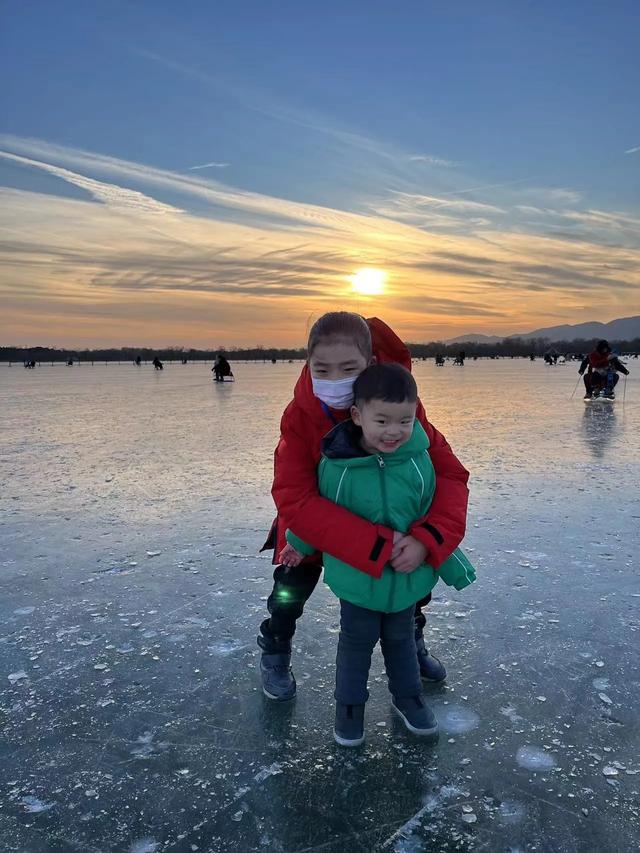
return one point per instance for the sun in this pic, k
(368, 281)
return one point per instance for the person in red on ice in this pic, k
(341, 344)
(602, 367)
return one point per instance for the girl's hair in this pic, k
(341, 325)
(389, 382)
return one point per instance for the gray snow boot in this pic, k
(416, 715)
(349, 727)
(277, 677)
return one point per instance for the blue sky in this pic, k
(523, 111)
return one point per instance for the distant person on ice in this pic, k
(377, 465)
(221, 368)
(340, 346)
(157, 363)
(602, 367)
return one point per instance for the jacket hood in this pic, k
(343, 442)
(387, 347)
(342, 446)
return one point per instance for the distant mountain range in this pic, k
(624, 329)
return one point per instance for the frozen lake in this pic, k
(132, 508)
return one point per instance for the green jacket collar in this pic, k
(342, 445)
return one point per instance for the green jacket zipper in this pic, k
(385, 506)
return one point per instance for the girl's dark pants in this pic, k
(596, 382)
(291, 589)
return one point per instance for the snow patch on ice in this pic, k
(402, 839)
(144, 845)
(147, 747)
(511, 812)
(227, 647)
(33, 805)
(509, 712)
(17, 676)
(196, 620)
(536, 759)
(457, 719)
(263, 774)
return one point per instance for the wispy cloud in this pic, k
(150, 248)
(552, 195)
(435, 212)
(211, 165)
(215, 193)
(263, 102)
(109, 194)
(485, 187)
(430, 160)
(420, 201)
(633, 150)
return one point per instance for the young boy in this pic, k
(378, 466)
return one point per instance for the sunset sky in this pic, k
(206, 173)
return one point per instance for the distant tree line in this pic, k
(509, 347)
(49, 354)
(518, 347)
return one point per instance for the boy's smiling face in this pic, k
(385, 426)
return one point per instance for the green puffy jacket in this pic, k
(393, 489)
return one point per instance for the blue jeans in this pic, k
(360, 630)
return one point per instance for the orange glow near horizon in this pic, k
(123, 268)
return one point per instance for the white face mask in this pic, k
(337, 393)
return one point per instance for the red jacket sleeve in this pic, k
(320, 522)
(442, 529)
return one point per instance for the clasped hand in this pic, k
(407, 553)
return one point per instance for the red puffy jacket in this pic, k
(334, 529)
(598, 360)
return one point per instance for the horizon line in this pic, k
(514, 338)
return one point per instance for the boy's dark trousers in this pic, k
(291, 589)
(360, 630)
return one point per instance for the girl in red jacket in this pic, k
(341, 345)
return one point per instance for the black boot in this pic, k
(430, 668)
(278, 681)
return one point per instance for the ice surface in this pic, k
(132, 509)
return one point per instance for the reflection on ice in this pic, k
(599, 424)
